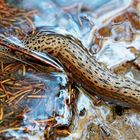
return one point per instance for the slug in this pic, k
(92, 76)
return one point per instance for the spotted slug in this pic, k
(92, 76)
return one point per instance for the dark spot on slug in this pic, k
(96, 72)
(104, 81)
(53, 41)
(95, 81)
(67, 56)
(89, 77)
(116, 87)
(27, 43)
(90, 67)
(47, 43)
(39, 41)
(117, 83)
(126, 87)
(101, 69)
(89, 71)
(51, 52)
(80, 58)
(137, 90)
(81, 64)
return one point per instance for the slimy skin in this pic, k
(92, 76)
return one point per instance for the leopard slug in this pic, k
(91, 75)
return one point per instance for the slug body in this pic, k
(92, 76)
